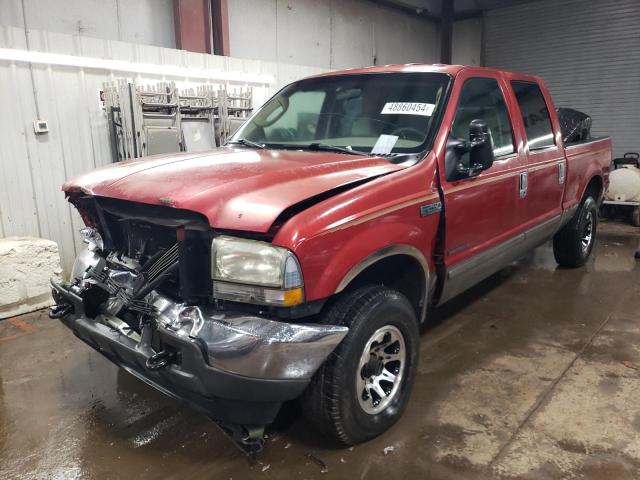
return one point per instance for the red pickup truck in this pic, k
(300, 259)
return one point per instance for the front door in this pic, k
(482, 213)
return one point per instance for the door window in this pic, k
(482, 99)
(535, 114)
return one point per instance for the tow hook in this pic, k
(160, 360)
(59, 310)
(249, 438)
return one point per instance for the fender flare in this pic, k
(390, 251)
(594, 176)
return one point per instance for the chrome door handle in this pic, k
(523, 184)
(562, 169)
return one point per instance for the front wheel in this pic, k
(363, 387)
(573, 244)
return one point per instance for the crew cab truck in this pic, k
(300, 259)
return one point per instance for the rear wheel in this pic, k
(573, 244)
(363, 387)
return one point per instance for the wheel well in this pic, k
(399, 272)
(594, 188)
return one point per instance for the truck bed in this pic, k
(583, 159)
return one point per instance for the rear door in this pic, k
(546, 164)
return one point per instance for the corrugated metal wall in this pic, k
(587, 52)
(33, 168)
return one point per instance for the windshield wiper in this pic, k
(334, 148)
(323, 147)
(247, 143)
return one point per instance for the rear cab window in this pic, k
(535, 114)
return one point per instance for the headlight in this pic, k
(255, 272)
(92, 238)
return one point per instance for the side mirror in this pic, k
(480, 149)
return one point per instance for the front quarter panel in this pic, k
(333, 237)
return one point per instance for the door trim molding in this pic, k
(468, 272)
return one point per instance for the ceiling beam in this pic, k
(433, 9)
(402, 7)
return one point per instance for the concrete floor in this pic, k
(533, 374)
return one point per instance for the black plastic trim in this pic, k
(225, 397)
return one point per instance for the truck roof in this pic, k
(421, 67)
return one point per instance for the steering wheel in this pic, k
(419, 136)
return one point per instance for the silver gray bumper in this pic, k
(230, 341)
(250, 345)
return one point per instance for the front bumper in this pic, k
(236, 368)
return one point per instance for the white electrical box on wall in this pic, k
(40, 126)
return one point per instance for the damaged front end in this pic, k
(142, 295)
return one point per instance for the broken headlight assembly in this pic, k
(251, 271)
(92, 238)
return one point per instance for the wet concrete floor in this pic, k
(533, 374)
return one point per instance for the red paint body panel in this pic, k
(332, 236)
(546, 192)
(583, 163)
(245, 189)
(485, 210)
(236, 189)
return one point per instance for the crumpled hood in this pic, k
(235, 188)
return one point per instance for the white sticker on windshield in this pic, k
(408, 108)
(384, 144)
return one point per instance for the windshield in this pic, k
(381, 113)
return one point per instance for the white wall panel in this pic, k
(252, 29)
(352, 35)
(18, 209)
(33, 168)
(137, 21)
(422, 42)
(148, 22)
(391, 29)
(467, 42)
(304, 32)
(94, 18)
(331, 34)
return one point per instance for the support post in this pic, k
(220, 27)
(446, 31)
(192, 20)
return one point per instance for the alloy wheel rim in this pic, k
(381, 369)
(587, 233)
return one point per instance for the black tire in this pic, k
(331, 403)
(570, 247)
